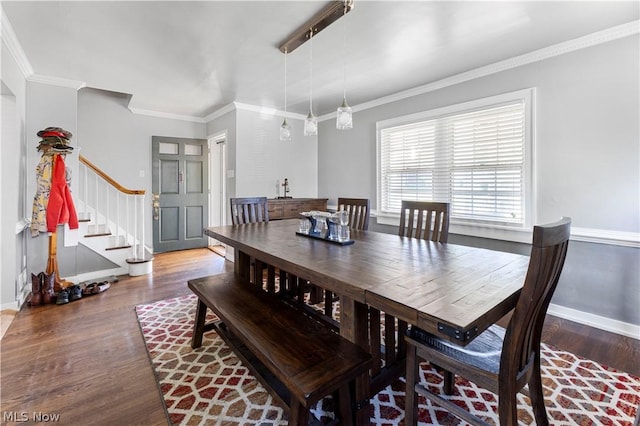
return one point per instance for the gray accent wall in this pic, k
(587, 165)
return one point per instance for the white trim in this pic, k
(56, 81)
(15, 49)
(268, 111)
(595, 321)
(172, 116)
(22, 224)
(604, 236)
(590, 40)
(220, 112)
(11, 305)
(589, 235)
(88, 276)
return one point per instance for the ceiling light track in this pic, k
(321, 20)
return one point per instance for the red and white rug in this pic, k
(210, 386)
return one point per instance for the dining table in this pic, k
(452, 291)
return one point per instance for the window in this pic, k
(475, 156)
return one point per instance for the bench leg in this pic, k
(198, 326)
(298, 414)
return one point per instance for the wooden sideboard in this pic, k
(290, 208)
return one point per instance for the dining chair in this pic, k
(500, 360)
(418, 219)
(424, 219)
(359, 210)
(253, 210)
(249, 210)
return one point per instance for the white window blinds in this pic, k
(474, 160)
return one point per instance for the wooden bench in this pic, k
(298, 359)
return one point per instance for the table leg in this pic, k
(354, 327)
(242, 265)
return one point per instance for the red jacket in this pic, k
(60, 208)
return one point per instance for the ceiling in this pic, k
(194, 58)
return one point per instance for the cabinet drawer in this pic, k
(275, 210)
(292, 210)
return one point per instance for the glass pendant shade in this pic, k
(344, 117)
(310, 125)
(285, 131)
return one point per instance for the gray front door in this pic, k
(180, 193)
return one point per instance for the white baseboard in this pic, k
(97, 274)
(10, 306)
(595, 321)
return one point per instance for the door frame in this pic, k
(217, 183)
(182, 195)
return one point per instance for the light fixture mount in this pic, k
(321, 20)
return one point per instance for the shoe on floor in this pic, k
(104, 286)
(63, 297)
(75, 292)
(89, 289)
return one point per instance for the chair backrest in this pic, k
(522, 339)
(424, 219)
(249, 210)
(359, 210)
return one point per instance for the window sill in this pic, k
(491, 232)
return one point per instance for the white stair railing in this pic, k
(112, 209)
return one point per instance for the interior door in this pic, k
(180, 193)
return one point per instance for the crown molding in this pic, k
(159, 114)
(590, 40)
(253, 108)
(56, 81)
(268, 111)
(13, 45)
(220, 112)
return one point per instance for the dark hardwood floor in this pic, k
(87, 361)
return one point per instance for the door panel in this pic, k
(195, 222)
(180, 182)
(169, 224)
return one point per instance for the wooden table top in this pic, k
(452, 290)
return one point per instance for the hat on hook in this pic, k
(55, 131)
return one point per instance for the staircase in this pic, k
(111, 219)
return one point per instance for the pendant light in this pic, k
(344, 116)
(285, 130)
(311, 122)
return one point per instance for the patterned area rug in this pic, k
(210, 386)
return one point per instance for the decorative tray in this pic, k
(321, 237)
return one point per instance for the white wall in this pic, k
(12, 171)
(226, 123)
(263, 161)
